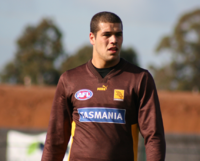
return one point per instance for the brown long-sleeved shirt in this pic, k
(104, 115)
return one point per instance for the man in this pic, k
(104, 103)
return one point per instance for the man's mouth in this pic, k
(113, 49)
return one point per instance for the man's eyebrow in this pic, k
(107, 32)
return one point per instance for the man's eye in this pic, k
(107, 35)
(119, 34)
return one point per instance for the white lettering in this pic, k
(85, 114)
(81, 95)
(119, 116)
(101, 115)
(81, 113)
(91, 114)
(97, 115)
(87, 94)
(110, 115)
(104, 115)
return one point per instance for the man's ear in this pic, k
(92, 38)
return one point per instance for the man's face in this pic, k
(107, 42)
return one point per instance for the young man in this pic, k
(104, 103)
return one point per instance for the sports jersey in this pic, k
(104, 115)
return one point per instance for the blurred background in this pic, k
(39, 40)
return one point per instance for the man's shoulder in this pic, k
(76, 70)
(77, 73)
(132, 68)
(137, 73)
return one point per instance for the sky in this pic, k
(145, 22)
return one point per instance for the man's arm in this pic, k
(150, 119)
(59, 129)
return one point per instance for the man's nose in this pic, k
(113, 39)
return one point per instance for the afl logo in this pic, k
(83, 94)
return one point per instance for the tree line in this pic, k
(183, 45)
(40, 47)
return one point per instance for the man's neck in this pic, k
(102, 64)
(104, 71)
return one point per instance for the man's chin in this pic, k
(113, 58)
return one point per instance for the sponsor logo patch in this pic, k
(103, 88)
(118, 94)
(83, 94)
(102, 115)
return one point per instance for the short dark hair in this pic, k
(103, 17)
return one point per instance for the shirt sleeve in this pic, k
(59, 129)
(150, 120)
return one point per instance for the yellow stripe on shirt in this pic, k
(135, 133)
(72, 136)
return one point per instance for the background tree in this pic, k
(130, 55)
(183, 72)
(78, 58)
(85, 53)
(37, 49)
